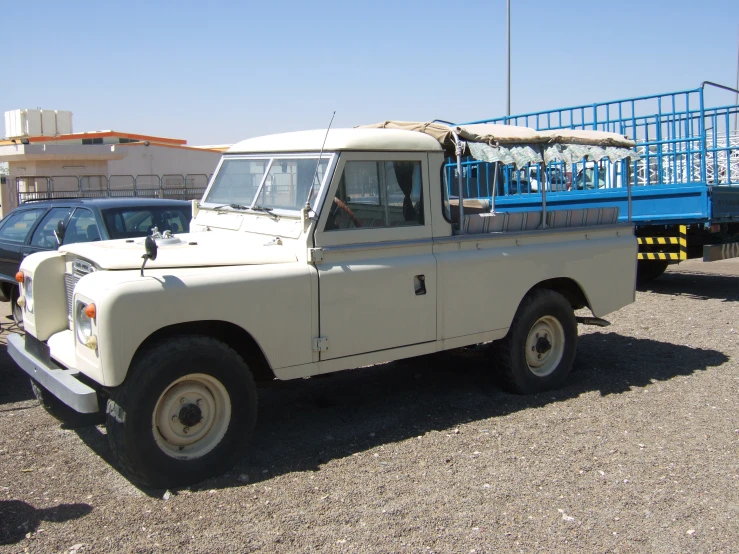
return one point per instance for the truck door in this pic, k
(376, 269)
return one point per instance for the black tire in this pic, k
(156, 385)
(16, 310)
(542, 312)
(649, 270)
(68, 416)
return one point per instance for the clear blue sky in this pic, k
(219, 72)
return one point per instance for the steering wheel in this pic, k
(343, 207)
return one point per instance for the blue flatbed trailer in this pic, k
(682, 195)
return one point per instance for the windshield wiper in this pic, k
(234, 206)
(267, 211)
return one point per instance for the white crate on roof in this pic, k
(63, 122)
(48, 123)
(15, 123)
(34, 123)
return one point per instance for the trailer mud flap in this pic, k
(663, 248)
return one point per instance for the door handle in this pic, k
(419, 284)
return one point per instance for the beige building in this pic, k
(103, 163)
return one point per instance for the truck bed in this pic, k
(689, 171)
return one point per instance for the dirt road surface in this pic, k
(639, 452)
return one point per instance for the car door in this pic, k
(377, 275)
(82, 227)
(43, 237)
(14, 233)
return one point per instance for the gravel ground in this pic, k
(638, 453)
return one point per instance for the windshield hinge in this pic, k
(320, 344)
(315, 255)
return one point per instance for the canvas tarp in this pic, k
(519, 146)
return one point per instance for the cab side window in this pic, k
(377, 194)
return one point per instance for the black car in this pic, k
(34, 227)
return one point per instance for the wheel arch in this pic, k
(229, 333)
(567, 287)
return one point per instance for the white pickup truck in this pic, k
(314, 252)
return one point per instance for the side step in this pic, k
(598, 322)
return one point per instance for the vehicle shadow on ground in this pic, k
(695, 285)
(306, 423)
(18, 518)
(15, 386)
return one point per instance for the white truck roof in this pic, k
(339, 139)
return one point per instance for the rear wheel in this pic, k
(538, 352)
(185, 412)
(17, 311)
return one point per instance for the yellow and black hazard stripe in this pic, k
(658, 256)
(681, 242)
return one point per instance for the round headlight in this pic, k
(82, 322)
(28, 292)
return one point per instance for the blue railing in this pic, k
(685, 147)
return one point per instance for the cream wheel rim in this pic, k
(191, 416)
(545, 346)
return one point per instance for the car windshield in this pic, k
(124, 223)
(276, 183)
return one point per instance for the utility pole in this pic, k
(508, 51)
(736, 98)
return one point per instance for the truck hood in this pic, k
(204, 249)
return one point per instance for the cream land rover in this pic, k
(314, 252)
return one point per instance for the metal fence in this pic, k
(173, 186)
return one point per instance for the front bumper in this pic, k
(62, 383)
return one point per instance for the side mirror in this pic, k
(150, 251)
(59, 233)
(150, 245)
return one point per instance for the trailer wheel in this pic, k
(649, 270)
(16, 310)
(538, 352)
(68, 416)
(184, 413)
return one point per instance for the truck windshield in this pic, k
(281, 183)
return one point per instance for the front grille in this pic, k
(80, 268)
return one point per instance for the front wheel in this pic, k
(185, 412)
(538, 352)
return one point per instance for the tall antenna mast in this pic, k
(736, 98)
(306, 208)
(508, 56)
